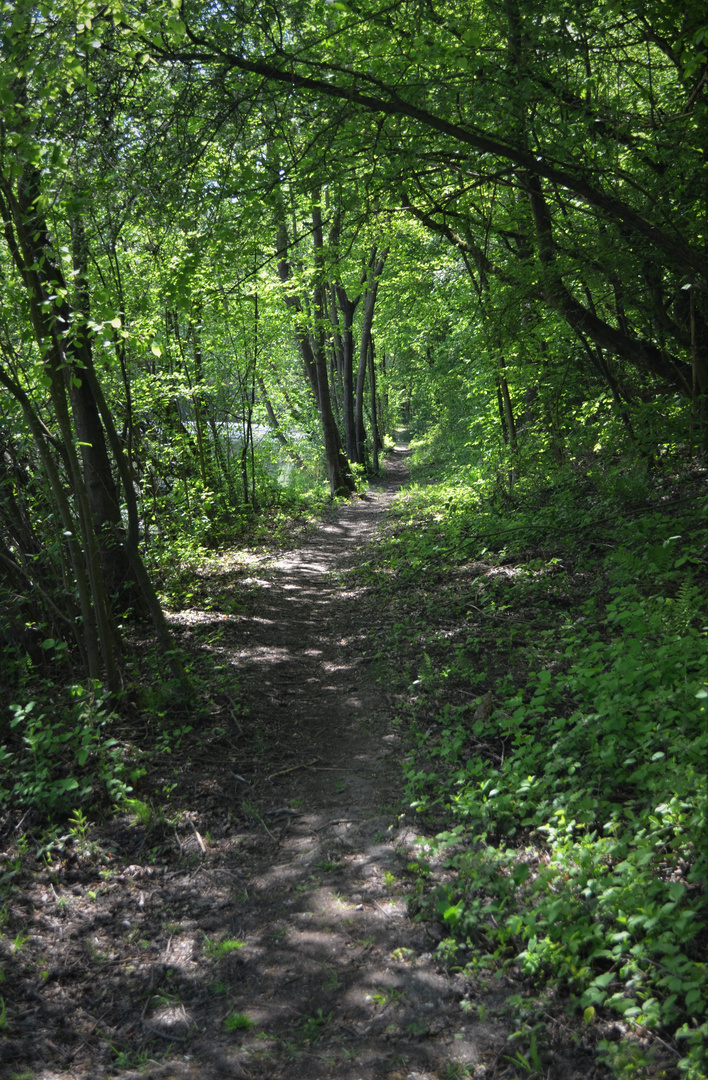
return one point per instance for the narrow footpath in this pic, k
(336, 979)
(264, 931)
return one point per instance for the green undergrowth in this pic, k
(282, 517)
(66, 745)
(61, 751)
(549, 649)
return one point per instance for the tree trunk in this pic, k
(340, 480)
(25, 232)
(375, 271)
(101, 487)
(374, 418)
(643, 354)
(59, 372)
(275, 425)
(348, 308)
(70, 528)
(315, 364)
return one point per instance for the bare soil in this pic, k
(255, 922)
(261, 930)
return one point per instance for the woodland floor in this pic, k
(272, 892)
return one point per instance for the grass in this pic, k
(332, 980)
(385, 995)
(216, 950)
(238, 1022)
(312, 1025)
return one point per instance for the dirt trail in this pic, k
(268, 936)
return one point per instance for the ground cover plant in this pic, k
(549, 650)
(243, 909)
(238, 247)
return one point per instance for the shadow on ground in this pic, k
(264, 931)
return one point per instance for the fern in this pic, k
(680, 611)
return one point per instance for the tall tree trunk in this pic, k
(348, 308)
(80, 367)
(294, 305)
(101, 487)
(24, 231)
(70, 325)
(315, 364)
(338, 346)
(132, 538)
(69, 524)
(374, 418)
(375, 270)
(340, 480)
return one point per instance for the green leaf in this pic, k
(471, 38)
(520, 874)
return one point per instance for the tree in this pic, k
(427, 81)
(174, 180)
(52, 295)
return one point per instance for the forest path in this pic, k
(336, 979)
(256, 926)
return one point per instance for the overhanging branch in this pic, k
(684, 256)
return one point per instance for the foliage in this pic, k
(217, 950)
(200, 206)
(559, 720)
(59, 754)
(191, 253)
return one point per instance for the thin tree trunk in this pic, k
(374, 418)
(510, 424)
(348, 308)
(101, 488)
(23, 227)
(173, 318)
(644, 354)
(275, 425)
(90, 639)
(315, 364)
(375, 271)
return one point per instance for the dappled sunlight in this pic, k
(262, 928)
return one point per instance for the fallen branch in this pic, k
(292, 768)
(336, 821)
(199, 839)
